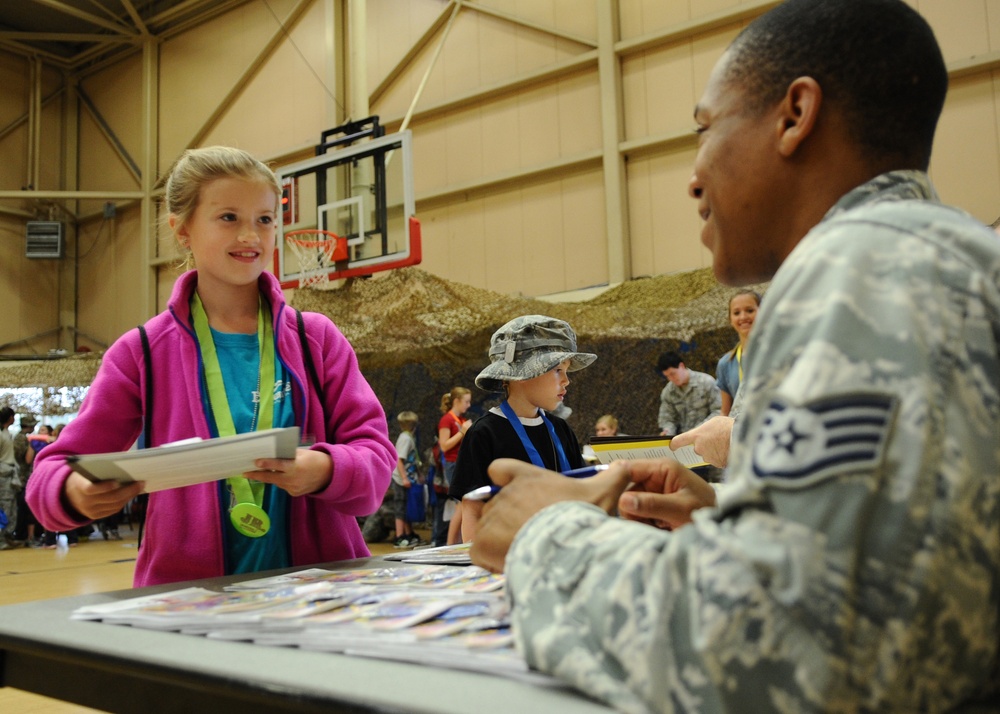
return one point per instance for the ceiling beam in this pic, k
(136, 19)
(62, 7)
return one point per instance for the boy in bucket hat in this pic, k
(530, 358)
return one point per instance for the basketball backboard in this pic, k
(362, 193)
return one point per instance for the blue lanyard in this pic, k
(533, 454)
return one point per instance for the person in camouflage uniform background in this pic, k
(853, 564)
(689, 397)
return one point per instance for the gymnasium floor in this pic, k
(93, 566)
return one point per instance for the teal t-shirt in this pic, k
(239, 359)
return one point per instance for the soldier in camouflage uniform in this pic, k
(854, 562)
(688, 399)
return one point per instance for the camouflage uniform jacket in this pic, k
(684, 408)
(854, 564)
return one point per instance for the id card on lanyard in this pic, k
(247, 514)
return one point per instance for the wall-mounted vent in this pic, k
(44, 239)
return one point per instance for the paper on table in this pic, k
(186, 463)
(615, 448)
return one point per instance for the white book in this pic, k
(191, 461)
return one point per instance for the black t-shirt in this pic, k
(492, 437)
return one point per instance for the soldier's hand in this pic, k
(527, 489)
(665, 493)
(710, 439)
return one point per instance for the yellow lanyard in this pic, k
(739, 360)
(247, 515)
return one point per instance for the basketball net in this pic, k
(315, 251)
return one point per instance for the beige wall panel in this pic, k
(13, 88)
(701, 8)
(50, 149)
(430, 156)
(545, 267)
(199, 67)
(29, 290)
(635, 120)
(466, 242)
(960, 26)
(670, 90)
(667, 229)
(110, 267)
(101, 168)
(505, 250)
(498, 47)
(397, 97)
(993, 25)
(964, 166)
(642, 17)
(464, 152)
(393, 27)
(13, 271)
(165, 278)
(117, 94)
(433, 230)
(577, 17)
(501, 135)
(579, 107)
(705, 52)
(583, 238)
(538, 123)
(461, 59)
(14, 167)
(481, 50)
(639, 204)
(284, 104)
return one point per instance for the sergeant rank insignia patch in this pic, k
(800, 445)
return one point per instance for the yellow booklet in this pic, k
(617, 448)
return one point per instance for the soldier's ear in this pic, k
(798, 113)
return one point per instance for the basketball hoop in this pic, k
(318, 253)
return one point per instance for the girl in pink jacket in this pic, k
(227, 357)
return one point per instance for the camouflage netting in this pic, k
(418, 335)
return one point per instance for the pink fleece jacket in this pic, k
(183, 539)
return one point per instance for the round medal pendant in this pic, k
(250, 519)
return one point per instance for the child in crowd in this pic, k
(404, 476)
(530, 358)
(606, 425)
(451, 430)
(743, 308)
(227, 357)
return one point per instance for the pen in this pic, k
(586, 471)
(485, 493)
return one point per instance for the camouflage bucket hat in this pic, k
(528, 347)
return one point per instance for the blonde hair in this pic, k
(449, 397)
(609, 421)
(407, 420)
(197, 167)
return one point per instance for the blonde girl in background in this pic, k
(743, 307)
(606, 425)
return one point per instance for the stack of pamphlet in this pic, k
(439, 615)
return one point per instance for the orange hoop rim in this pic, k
(292, 237)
